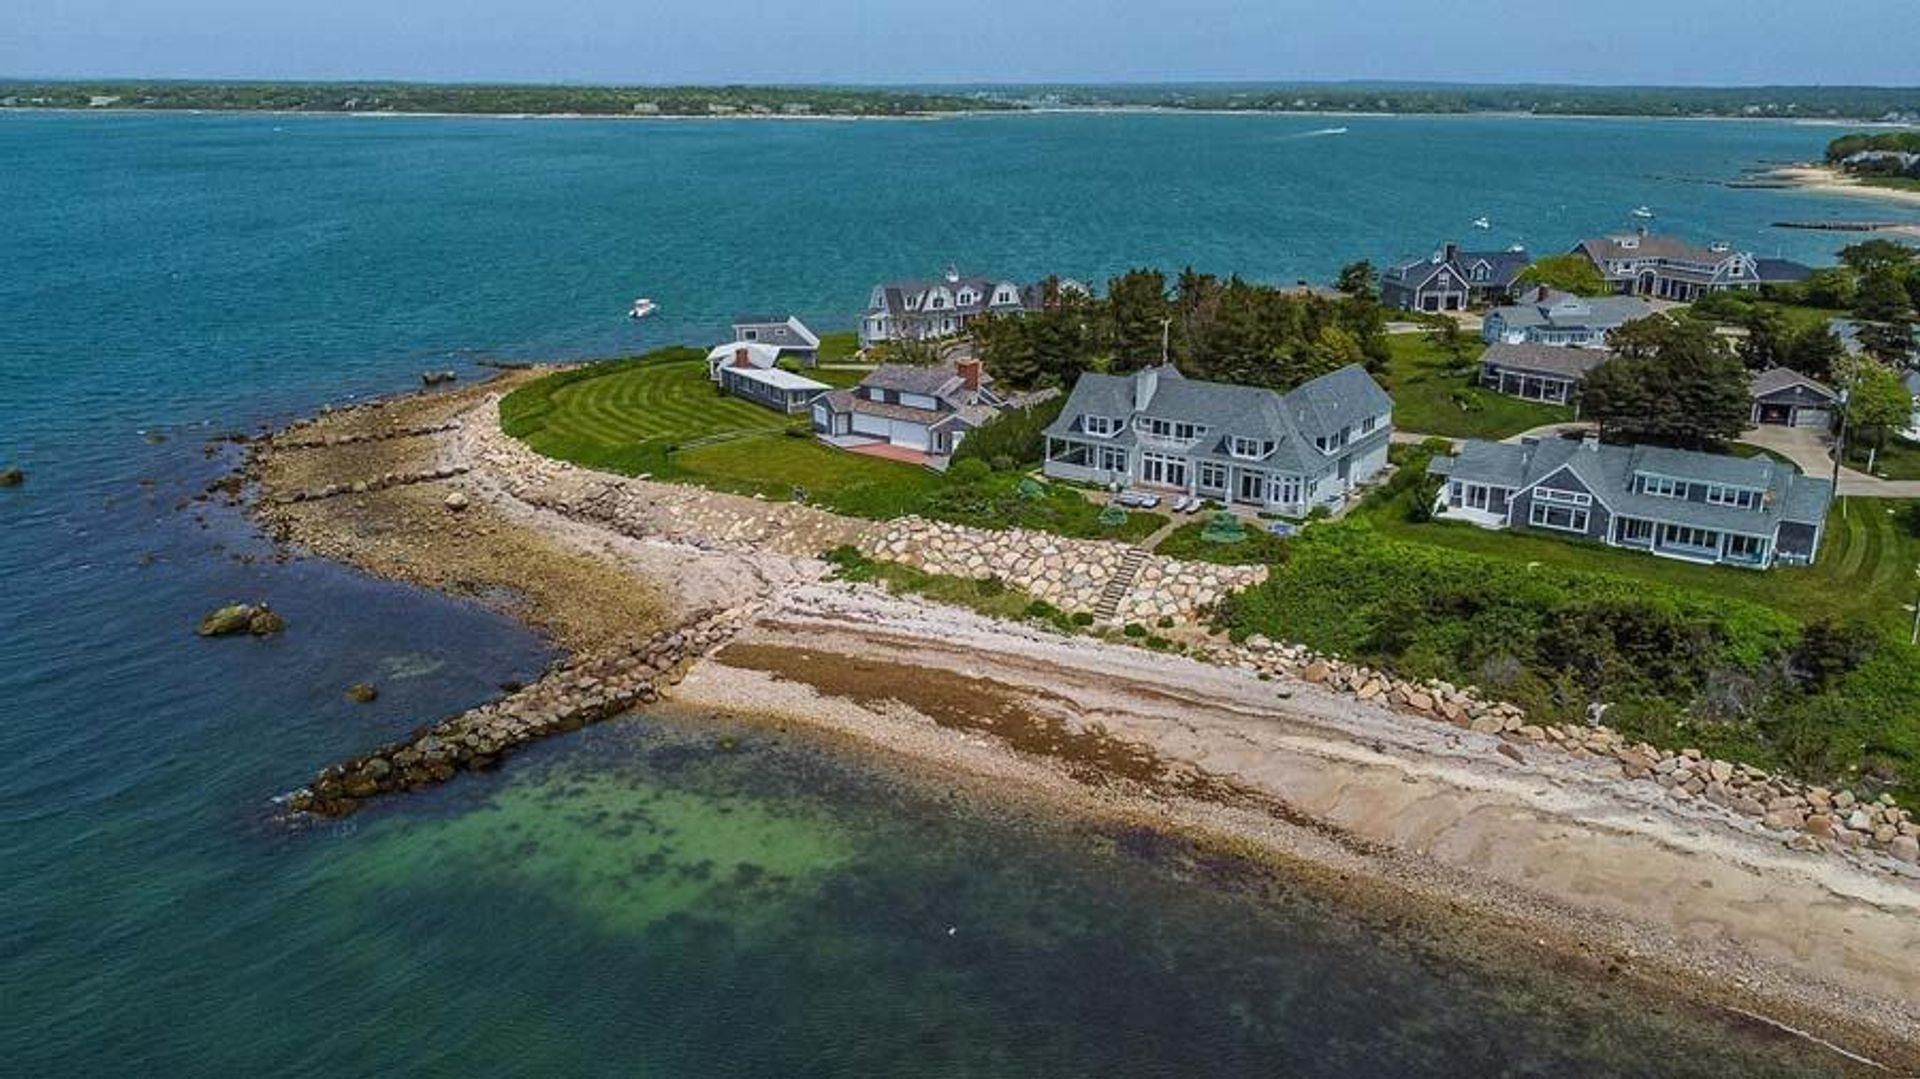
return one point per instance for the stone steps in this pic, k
(1120, 584)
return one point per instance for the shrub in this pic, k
(1166, 622)
(971, 470)
(990, 586)
(1134, 629)
(1003, 462)
(1082, 618)
(1014, 435)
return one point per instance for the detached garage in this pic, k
(1787, 398)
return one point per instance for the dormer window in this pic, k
(1250, 449)
(965, 298)
(1100, 426)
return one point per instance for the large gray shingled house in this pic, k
(1697, 507)
(1245, 445)
(1451, 279)
(922, 310)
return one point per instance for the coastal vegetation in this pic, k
(1221, 329)
(1884, 158)
(1783, 102)
(658, 416)
(1671, 381)
(1802, 669)
(516, 100)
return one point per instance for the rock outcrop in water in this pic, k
(12, 477)
(257, 619)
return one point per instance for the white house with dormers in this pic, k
(921, 310)
(1243, 445)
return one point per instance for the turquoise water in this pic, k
(629, 900)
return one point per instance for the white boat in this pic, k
(643, 307)
(1482, 223)
(1641, 211)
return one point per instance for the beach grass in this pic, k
(1432, 397)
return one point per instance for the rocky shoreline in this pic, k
(642, 581)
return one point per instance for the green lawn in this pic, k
(838, 347)
(1188, 543)
(1899, 459)
(1897, 183)
(659, 416)
(1430, 399)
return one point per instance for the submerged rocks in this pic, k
(435, 378)
(257, 619)
(12, 477)
(362, 693)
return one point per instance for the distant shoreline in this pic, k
(952, 114)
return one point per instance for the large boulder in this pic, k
(265, 622)
(362, 693)
(12, 477)
(233, 618)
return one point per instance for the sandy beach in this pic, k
(1831, 181)
(1529, 845)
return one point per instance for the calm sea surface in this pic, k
(632, 900)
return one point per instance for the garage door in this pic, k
(1813, 417)
(911, 435)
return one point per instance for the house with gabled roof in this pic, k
(922, 310)
(787, 336)
(1531, 371)
(1242, 445)
(1668, 268)
(909, 413)
(1548, 316)
(1755, 512)
(1453, 280)
(1783, 397)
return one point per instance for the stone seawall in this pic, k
(574, 694)
(1071, 574)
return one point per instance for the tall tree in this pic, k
(1615, 396)
(1876, 254)
(1673, 381)
(1769, 340)
(1877, 399)
(1359, 279)
(1568, 273)
(1885, 312)
(1814, 351)
(1137, 305)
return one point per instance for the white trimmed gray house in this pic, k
(1531, 371)
(1647, 264)
(747, 369)
(1452, 280)
(1244, 445)
(916, 414)
(921, 310)
(788, 336)
(1783, 397)
(1754, 512)
(1549, 317)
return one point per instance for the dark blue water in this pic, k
(630, 900)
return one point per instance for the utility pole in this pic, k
(1840, 447)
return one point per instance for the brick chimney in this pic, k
(969, 370)
(1450, 252)
(743, 357)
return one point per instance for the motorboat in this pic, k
(643, 307)
(1642, 212)
(1482, 223)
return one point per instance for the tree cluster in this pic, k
(1220, 329)
(1672, 382)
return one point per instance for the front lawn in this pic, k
(1433, 396)
(1899, 459)
(1189, 543)
(658, 415)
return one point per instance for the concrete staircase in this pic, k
(1121, 583)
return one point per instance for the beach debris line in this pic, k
(256, 619)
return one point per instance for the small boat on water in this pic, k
(643, 307)
(1482, 223)
(1642, 212)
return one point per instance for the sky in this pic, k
(1642, 42)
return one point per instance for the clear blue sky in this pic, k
(1687, 42)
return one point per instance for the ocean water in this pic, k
(633, 900)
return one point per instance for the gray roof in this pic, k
(1502, 267)
(1563, 310)
(1557, 360)
(1608, 472)
(1651, 245)
(1292, 420)
(1781, 271)
(1775, 379)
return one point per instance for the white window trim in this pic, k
(1577, 518)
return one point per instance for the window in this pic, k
(1746, 548)
(1251, 449)
(1566, 498)
(1286, 490)
(1252, 487)
(1113, 460)
(1100, 426)
(1662, 487)
(1160, 469)
(1330, 443)
(1367, 425)
(1741, 497)
(1213, 476)
(1635, 530)
(1551, 515)
(750, 335)
(966, 298)
(1701, 539)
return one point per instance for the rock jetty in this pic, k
(574, 694)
